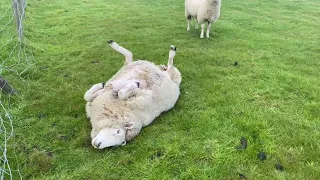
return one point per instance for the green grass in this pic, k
(272, 97)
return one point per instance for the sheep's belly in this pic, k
(192, 7)
(106, 107)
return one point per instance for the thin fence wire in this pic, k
(15, 62)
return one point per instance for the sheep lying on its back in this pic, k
(131, 99)
(203, 11)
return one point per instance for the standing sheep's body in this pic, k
(203, 11)
(117, 114)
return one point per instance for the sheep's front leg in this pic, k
(128, 91)
(92, 93)
(208, 29)
(202, 30)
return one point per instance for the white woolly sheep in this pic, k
(138, 93)
(203, 11)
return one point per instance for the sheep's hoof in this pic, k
(110, 41)
(173, 48)
(99, 145)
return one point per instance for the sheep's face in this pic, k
(108, 137)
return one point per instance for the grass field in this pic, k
(272, 97)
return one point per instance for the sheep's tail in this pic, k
(127, 54)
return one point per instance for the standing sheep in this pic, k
(138, 93)
(203, 11)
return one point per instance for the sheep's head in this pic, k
(108, 137)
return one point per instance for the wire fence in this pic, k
(15, 62)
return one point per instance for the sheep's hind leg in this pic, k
(127, 54)
(202, 30)
(172, 53)
(196, 27)
(208, 29)
(170, 68)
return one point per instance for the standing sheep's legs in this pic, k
(92, 93)
(127, 54)
(196, 27)
(189, 19)
(202, 30)
(208, 29)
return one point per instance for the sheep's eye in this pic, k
(118, 132)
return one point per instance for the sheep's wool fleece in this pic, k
(209, 10)
(159, 95)
(203, 10)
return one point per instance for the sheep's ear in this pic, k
(129, 125)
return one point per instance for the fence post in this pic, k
(6, 88)
(18, 7)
